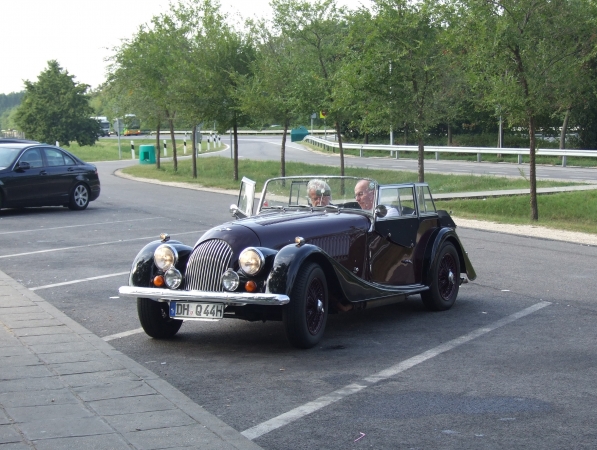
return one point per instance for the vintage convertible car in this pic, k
(316, 245)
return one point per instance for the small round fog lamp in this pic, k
(173, 278)
(230, 280)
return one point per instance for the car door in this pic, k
(393, 241)
(26, 186)
(61, 172)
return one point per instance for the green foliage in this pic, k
(8, 104)
(56, 108)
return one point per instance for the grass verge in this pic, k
(568, 211)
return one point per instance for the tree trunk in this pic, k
(564, 129)
(337, 124)
(405, 133)
(174, 160)
(449, 135)
(194, 149)
(283, 149)
(532, 171)
(366, 138)
(235, 131)
(157, 145)
(421, 160)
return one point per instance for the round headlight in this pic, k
(230, 280)
(251, 261)
(173, 278)
(165, 257)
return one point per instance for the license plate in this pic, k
(199, 311)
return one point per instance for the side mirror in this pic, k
(23, 165)
(237, 212)
(381, 211)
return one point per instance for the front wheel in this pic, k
(445, 280)
(155, 319)
(306, 314)
(79, 197)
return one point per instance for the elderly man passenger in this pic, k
(319, 192)
(364, 193)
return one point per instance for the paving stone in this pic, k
(9, 302)
(33, 313)
(102, 442)
(114, 390)
(14, 350)
(13, 373)
(15, 446)
(8, 312)
(196, 436)
(3, 419)
(149, 420)
(8, 434)
(70, 368)
(89, 379)
(64, 427)
(25, 414)
(62, 347)
(33, 323)
(51, 339)
(69, 357)
(131, 405)
(38, 398)
(30, 384)
(19, 360)
(42, 331)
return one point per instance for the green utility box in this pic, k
(147, 154)
(298, 134)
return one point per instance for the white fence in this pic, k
(479, 151)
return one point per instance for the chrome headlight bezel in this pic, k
(251, 261)
(165, 257)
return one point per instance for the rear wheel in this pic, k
(306, 314)
(445, 280)
(79, 197)
(155, 319)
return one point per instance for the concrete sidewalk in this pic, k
(62, 387)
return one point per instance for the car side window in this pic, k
(407, 201)
(57, 158)
(33, 157)
(425, 201)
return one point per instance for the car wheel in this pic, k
(306, 314)
(445, 280)
(79, 197)
(155, 319)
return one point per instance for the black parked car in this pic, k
(33, 174)
(316, 245)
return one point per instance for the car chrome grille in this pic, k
(206, 265)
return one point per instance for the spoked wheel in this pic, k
(79, 198)
(155, 319)
(306, 314)
(445, 280)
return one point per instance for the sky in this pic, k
(81, 34)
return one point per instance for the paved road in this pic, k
(512, 365)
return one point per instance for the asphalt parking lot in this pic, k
(512, 365)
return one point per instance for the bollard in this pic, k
(361, 152)
(564, 161)
(185, 144)
(57, 144)
(519, 158)
(397, 155)
(478, 157)
(437, 156)
(165, 148)
(208, 143)
(133, 149)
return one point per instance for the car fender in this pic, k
(442, 235)
(142, 270)
(287, 264)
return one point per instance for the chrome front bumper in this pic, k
(227, 298)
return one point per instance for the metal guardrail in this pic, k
(564, 153)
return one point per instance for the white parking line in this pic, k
(319, 403)
(123, 334)
(82, 225)
(47, 286)
(91, 245)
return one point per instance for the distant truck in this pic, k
(104, 125)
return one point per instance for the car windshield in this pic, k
(7, 156)
(319, 192)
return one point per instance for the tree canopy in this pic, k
(55, 108)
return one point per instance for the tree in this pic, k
(56, 108)
(523, 55)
